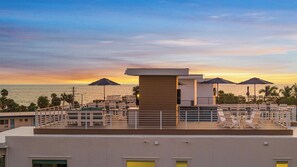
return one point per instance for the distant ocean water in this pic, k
(25, 94)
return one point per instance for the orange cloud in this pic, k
(88, 76)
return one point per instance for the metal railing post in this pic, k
(211, 115)
(161, 119)
(50, 116)
(186, 120)
(135, 119)
(86, 120)
(198, 111)
(45, 118)
(40, 118)
(110, 118)
(54, 116)
(288, 118)
(36, 119)
(294, 110)
(60, 115)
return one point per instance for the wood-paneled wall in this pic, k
(157, 93)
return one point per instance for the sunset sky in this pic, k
(72, 41)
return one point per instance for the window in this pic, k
(3, 122)
(21, 120)
(2, 161)
(181, 164)
(282, 164)
(140, 163)
(26, 120)
(49, 163)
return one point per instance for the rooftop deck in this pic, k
(156, 123)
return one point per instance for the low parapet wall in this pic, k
(244, 132)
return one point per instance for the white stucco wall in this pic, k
(205, 94)
(188, 91)
(111, 151)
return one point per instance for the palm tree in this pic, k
(286, 92)
(4, 93)
(43, 102)
(68, 98)
(56, 101)
(135, 90)
(63, 98)
(3, 99)
(269, 91)
(294, 88)
(2, 103)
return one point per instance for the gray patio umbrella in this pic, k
(254, 81)
(103, 82)
(181, 83)
(218, 81)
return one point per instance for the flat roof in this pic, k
(157, 71)
(28, 131)
(21, 131)
(16, 114)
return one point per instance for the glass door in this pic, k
(11, 123)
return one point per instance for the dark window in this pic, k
(178, 96)
(49, 163)
(2, 161)
(26, 120)
(3, 122)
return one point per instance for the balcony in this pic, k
(220, 120)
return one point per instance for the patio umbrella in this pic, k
(181, 83)
(103, 82)
(255, 81)
(218, 81)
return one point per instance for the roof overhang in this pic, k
(192, 77)
(157, 71)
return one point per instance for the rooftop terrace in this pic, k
(186, 122)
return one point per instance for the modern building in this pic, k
(10, 120)
(157, 134)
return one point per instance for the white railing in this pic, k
(282, 118)
(55, 108)
(157, 119)
(46, 118)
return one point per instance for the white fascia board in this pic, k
(157, 71)
(192, 76)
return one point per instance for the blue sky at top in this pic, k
(50, 41)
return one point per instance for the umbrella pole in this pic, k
(255, 97)
(104, 92)
(217, 92)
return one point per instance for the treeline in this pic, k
(270, 94)
(9, 105)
